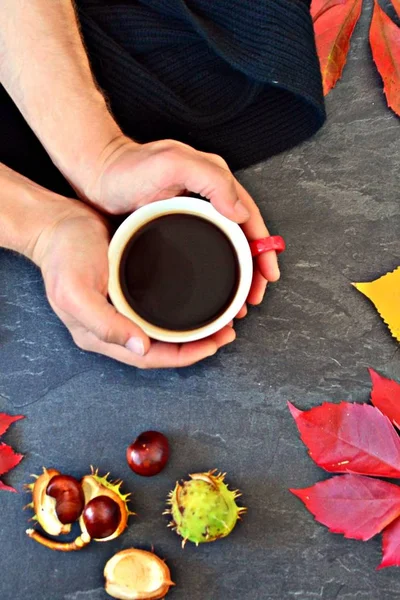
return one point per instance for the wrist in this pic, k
(78, 152)
(26, 211)
(93, 188)
(98, 159)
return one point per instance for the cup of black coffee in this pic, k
(179, 269)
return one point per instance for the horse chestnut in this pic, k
(68, 494)
(148, 454)
(101, 516)
(98, 502)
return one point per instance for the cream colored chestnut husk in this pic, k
(93, 486)
(137, 575)
(44, 506)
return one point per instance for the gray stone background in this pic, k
(336, 201)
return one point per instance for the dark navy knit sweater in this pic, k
(236, 77)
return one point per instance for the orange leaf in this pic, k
(385, 294)
(396, 6)
(334, 23)
(384, 37)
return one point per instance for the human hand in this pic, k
(72, 254)
(129, 175)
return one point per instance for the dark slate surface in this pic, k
(336, 201)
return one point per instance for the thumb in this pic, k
(99, 317)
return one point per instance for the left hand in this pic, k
(71, 252)
(128, 175)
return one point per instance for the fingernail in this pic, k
(135, 345)
(240, 210)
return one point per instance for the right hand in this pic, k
(71, 252)
(127, 175)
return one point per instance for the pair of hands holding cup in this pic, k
(72, 251)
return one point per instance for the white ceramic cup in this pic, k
(181, 205)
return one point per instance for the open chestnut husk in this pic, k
(45, 505)
(59, 500)
(137, 575)
(95, 486)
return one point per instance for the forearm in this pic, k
(45, 69)
(26, 210)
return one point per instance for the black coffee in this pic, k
(179, 272)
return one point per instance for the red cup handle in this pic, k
(273, 242)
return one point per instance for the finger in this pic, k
(184, 355)
(203, 176)
(242, 312)
(254, 229)
(224, 337)
(162, 355)
(94, 314)
(258, 287)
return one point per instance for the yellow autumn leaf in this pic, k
(385, 294)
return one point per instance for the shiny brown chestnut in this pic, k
(148, 454)
(95, 486)
(44, 506)
(101, 516)
(68, 494)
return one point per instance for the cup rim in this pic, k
(179, 205)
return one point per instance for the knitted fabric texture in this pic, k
(235, 77)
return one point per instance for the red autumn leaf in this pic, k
(319, 7)
(357, 506)
(6, 488)
(8, 459)
(384, 37)
(385, 395)
(391, 546)
(350, 438)
(7, 420)
(333, 28)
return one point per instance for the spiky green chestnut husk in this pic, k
(94, 485)
(203, 509)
